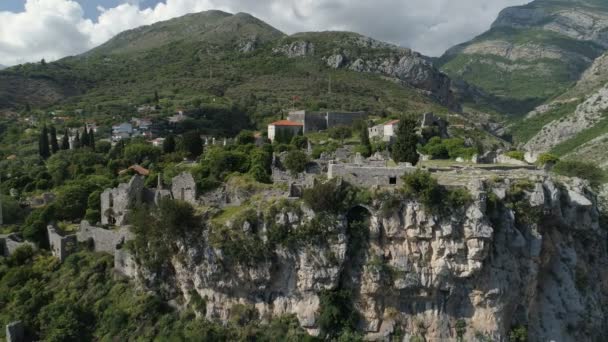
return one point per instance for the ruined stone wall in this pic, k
(11, 242)
(104, 240)
(366, 176)
(344, 118)
(115, 203)
(124, 263)
(183, 188)
(61, 246)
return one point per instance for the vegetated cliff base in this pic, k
(505, 259)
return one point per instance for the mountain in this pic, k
(532, 53)
(224, 59)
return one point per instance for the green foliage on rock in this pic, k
(435, 197)
(453, 148)
(585, 170)
(296, 161)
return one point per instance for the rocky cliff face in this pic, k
(344, 50)
(523, 254)
(533, 52)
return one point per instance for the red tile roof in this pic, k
(390, 123)
(286, 123)
(139, 169)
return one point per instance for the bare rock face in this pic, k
(533, 256)
(586, 115)
(300, 48)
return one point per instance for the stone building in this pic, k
(116, 203)
(103, 240)
(61, 245)
(284, 128)
(11, 242)
(369, 175)
(385, 132)
(320, 121)
(183, 188)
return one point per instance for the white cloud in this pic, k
(52, 29)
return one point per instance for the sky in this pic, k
(51, 29)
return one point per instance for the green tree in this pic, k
(139, 152)
(295, 161)
(193, 144)
(156, 97)
(43, 143)
(65, 141)
(340, 133)
(77, 140)
(54, 142)
(169, 144)
(366, 145)
(84, 138)
(245, 138)
(404, 149)
(92, 139)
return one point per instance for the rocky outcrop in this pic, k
(520, 254)
(299, 48)
(363, 54)
(586, 115)
(577, 22)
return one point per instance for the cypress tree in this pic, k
(54, 142)
(404, 149)
(367, 145)
(77, 140)
(169, 144)
(65, 141)
(43, 143)
(84, 138)
(156, 97)
(91, 139)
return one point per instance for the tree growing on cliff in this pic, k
(404, 149)
(43, 143)
(65, 141)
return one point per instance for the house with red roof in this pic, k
(284, 129)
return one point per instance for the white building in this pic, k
(386, 131)
(284, 127)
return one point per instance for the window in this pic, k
(392, 180)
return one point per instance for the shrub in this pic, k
(547, 158)
(340, 133)
(296, 161)
(432, 195)
(519, 155)
(336, 312)
(299, 141)
(518, 334)
(245, 138)
(585, 170)
(329, 196)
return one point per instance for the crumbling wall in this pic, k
(61, 246)
(11, 242)
(115, 203)
(104, 240)
(367, 176)
(183, 188)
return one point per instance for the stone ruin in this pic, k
(183, 188)
(61, 245)
(366, 175)
(116, 203)
(11, 242)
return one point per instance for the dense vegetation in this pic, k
(82, 300)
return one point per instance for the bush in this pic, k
(336, 313)
(547, 158)
(340, 133)
(584, 170)
(296, 161)
(299, 141)
(438, 148)
(519, 155)
(327, 197)
(245, 138)
(435, 197)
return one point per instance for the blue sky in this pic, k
(52, 29)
